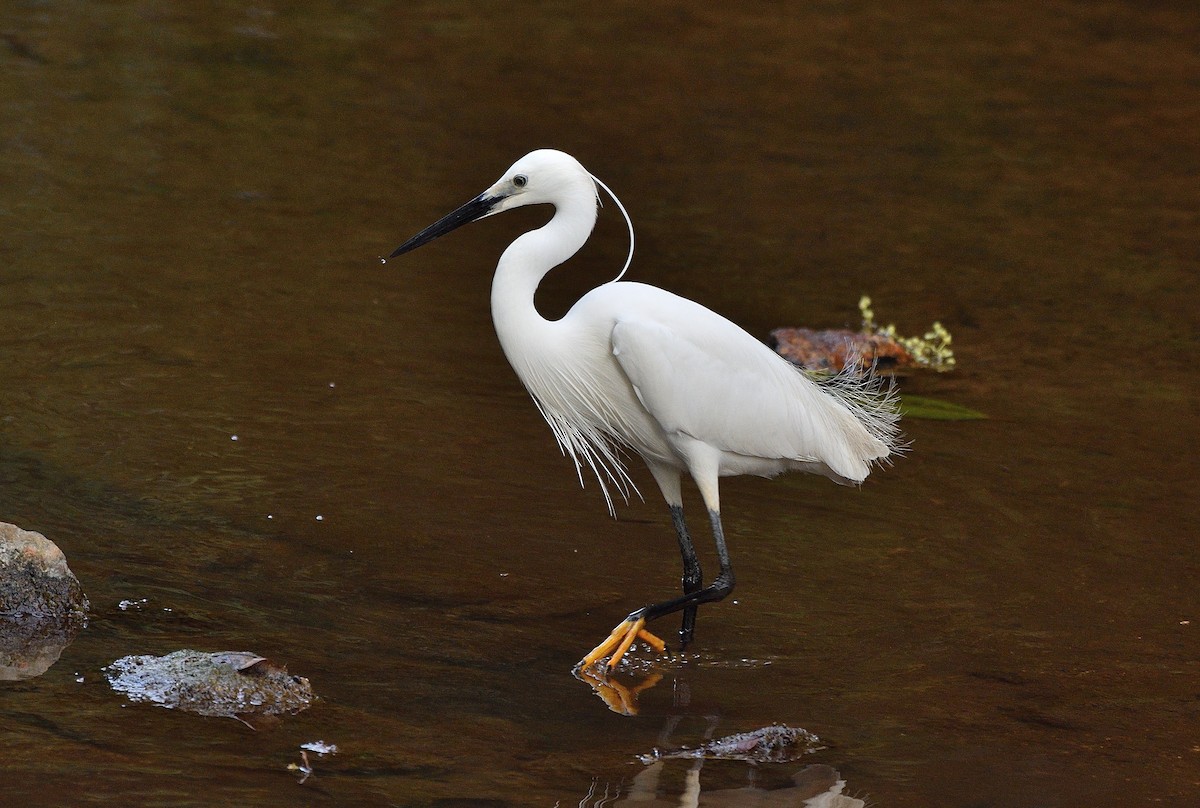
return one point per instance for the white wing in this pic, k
(700, 375)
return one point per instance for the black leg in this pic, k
(633, 626)
(721, 586)
(692, 576)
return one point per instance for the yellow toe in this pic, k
(654, 642)
(605, 648)
(619, 641)
(631, 634)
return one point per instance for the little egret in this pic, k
(631, 366)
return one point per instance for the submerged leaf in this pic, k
(935, 410)
(240, 661)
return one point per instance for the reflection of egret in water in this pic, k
(619, 697)
(620, 692)
(812, 786)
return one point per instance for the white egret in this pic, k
(631, 366)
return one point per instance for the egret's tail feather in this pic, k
(873, 400)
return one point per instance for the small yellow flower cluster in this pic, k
(931, 351)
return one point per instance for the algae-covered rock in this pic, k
(873, 349)
(35, 582)
(42, 605)
(230, 684)
(830, 351)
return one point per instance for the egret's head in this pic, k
(545, 176)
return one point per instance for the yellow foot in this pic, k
(618, 643)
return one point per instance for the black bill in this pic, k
(473, 211)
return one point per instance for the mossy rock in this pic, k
(232, 684)
(35, 582)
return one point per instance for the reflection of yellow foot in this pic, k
(618, 697)
(620, 639)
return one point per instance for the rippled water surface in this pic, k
(227, 413)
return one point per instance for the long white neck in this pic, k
(526, 262)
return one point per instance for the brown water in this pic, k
(191, 206)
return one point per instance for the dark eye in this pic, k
(520, 180)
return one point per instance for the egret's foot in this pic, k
(618, 697)
(618, 642)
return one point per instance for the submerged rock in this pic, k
(42, 605)
(230, 684)
(774, 744)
